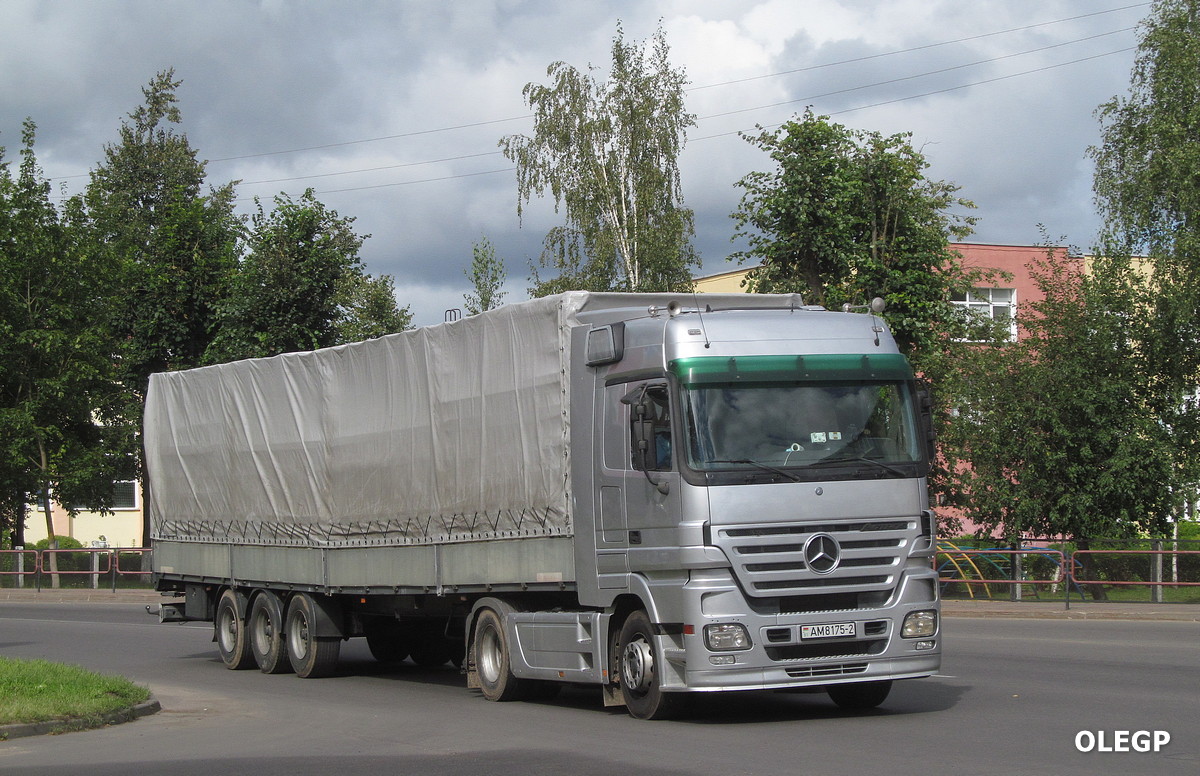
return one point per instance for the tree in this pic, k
(1052, 438)
(171, 246)
(367, 308)
(1149, 197)
(608, 154)
(62, 432)
(301, 286)
(848, 215)
(175, 245)
(487, 278)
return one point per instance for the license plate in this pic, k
(832, 630)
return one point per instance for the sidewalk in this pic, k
(79, 595)
(1080, 610)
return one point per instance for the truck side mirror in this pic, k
(643, 441)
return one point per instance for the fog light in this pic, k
(724, 637)
(722, 660)
(919, 624)
(923, 645)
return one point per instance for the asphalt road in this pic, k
(1012, 698)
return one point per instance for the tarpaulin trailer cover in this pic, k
(446, 433)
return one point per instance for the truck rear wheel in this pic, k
(311, 656)
(641, 671)
(267, 640)
(230, 630)
(861, 696)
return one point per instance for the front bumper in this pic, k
(781, 656)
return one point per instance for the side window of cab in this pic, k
(650, 427)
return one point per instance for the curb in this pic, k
(71, 725)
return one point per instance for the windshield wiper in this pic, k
(760, 465)
(861, 459)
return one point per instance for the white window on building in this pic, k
(997, 304)
(125, 496)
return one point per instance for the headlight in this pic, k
(726, 637)
(920, 624)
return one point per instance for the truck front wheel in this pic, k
(640, 666)
(230, 630)
(861, 696)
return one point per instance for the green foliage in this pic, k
(60, 423)
(1052, 437)
(848, 215)
(1149, 195)
(301, 286)
(608, 154)
(175, 247)
(139, 275)
(367, 308)
(487, 278)
(62, 542)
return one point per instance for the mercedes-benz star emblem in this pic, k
(822, 553)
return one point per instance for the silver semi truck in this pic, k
(657, 494)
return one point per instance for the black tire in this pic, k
(490, 656)
(311, 656)
(641, 671)
(862, 696)
(266, 637)
(429, 647)
(230, 631)
(386, 639)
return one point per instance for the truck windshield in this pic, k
(801, 417)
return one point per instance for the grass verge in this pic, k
(41, 691)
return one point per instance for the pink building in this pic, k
(999, 297)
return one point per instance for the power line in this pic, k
(371, 169)
(919, 75)
(744, 110)
(739, 132)
(417, 133)
(942, 91)
(399, 183)
(925, 47)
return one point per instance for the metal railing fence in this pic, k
(1064, 570)
(77, 567)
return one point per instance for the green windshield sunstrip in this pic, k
(705, 370)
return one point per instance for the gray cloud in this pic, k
(274, 76)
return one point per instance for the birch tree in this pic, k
(1148, 194)
(607, 152)
(487, 278)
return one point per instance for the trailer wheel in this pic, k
(311, 656)
(267, 640)
(861, 696)
(491, 659)
(641, 671)
(230, 631)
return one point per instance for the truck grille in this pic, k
(769, 559)
(836, 669)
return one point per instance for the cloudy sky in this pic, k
(392, 110)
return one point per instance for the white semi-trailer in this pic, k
(657, 494)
